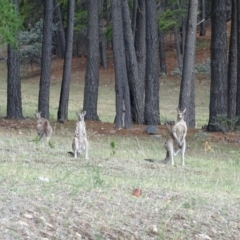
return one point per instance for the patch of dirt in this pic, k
(104, 128)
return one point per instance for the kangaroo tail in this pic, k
(71, 153)
(151, 160)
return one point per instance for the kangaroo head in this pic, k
(38, 114)
(81, 115)
(180, 114)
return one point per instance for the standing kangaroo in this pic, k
(80, 142)
(176, 142)
(44, 128)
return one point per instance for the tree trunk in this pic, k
(151, 113)
(163, 65)
(162, 57)
(135, 85)
(107, 10)
(232, 64)
(92, 72)
(123, 108)
(102, 44)
(219, 88)
(202, 18)
(134, 18)
(44, 91)
(140, 44)
(14, 99)
(178, 48)
(59, 35)
(183, 34)
(187, 91)
(67, 67)
(238, 63)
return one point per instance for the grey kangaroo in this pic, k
(176, 142)
(80, 142)
(44, 128)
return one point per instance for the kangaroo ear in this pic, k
(84, 113)
(184, 110)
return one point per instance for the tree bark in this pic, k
(152, 113)
(140, 44)
(67, 67)
(102, 44)
(187, 91)
(238, 63)
(135, 84)
(219, 89)
(14, 98)
(134, 18)
(232, 64)
(163, 65)
(92, 72)
(44, 91)
(123, 108)
(178, 48)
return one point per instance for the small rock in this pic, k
(151, 130)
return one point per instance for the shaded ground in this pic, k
(98, 127)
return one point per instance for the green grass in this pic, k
(47, 194)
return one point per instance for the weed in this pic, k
(36, 139)
(112, 144)
(51, 144)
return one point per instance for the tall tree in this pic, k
(123, 108)
(44, 90)
(187, 91)
(232, 64)
(64, 96)
(151, 112)
(92, 72)
(102, 40)
(140, 43)
(14, 99)
(162, 57)
(135, 83)
(219, 89)
(238, 62)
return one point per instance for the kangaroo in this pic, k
(80, 142)
(79, 146)
(44, 128)
(176, 142)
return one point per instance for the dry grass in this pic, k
(47, 194)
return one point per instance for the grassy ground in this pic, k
(47, 194)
